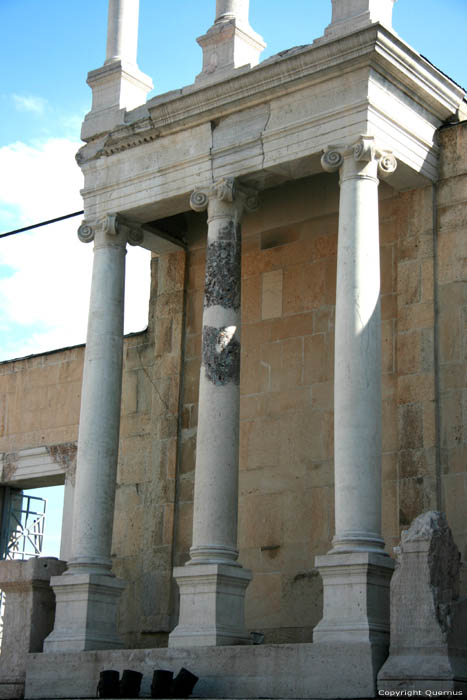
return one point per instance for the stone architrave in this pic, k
(87, 594)
(357, 571)
(212, 584)
(428, 619)
(28, 617)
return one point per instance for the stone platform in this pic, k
(279, 671)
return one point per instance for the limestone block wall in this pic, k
(418, 463)
(451, 256)
(39, 400)
(146, 481)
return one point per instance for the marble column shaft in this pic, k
(100, 405)
(357, 377)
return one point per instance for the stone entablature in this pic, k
(360, 83)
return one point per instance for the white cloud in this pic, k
(40, 181)
(48, 289)
(30, 103)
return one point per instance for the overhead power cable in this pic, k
(42, 223)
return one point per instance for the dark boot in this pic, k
(108, 686)
(161, 686)
(183, 684)
(130, 684)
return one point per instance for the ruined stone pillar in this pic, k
(428, 616)
(357, 567)
(213, 583)
(87, 594)
(122, 31)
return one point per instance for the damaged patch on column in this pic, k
(221, 355)
(223, 269)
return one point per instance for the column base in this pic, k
(356, 598)
(86, 613)
(211, 605)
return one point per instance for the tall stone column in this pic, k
(212, 584)
(122, 31)
(357, 571)
(88, 593)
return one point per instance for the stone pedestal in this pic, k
(351, 15)
(211, 605)
(356, 598)
(230, 43)
(86, 613)
(28, 617)
(212, 584)
(428, 619)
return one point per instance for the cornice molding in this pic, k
(374, 47)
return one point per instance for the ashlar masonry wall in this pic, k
(451, 267)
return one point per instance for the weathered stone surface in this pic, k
(273, 671)
(28, 618)
(428, 618)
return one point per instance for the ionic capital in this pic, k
(86, 232)
(363, 151)
(114, 227)
(228, 191)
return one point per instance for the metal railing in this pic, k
(22, 532)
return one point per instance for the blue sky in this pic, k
(47, 48)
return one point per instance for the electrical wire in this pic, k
(42, 223)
